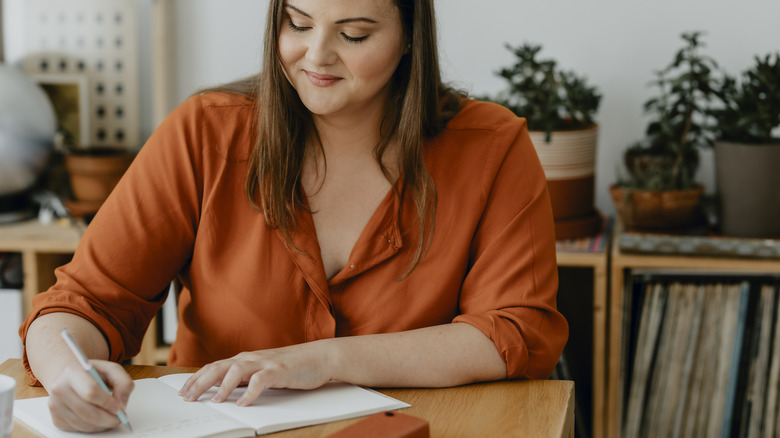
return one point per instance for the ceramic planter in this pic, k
(569, 162)
(657, 209)
(93, 175)
(748, 180)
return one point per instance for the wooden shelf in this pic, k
(598, 261)
(43, 248)
(621, 266)
(46, 247)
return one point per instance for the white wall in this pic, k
(617, 44)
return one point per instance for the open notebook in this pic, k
(156, 410)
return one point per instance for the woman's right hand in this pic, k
(78, 404)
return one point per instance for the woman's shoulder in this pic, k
(224, 100)
(201, 107)
(483, 115)
(478, 139)
(223, 121)
(480, 125)
(223, 106)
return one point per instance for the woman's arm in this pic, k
(48, 354)
(446, 355)
(77, 402)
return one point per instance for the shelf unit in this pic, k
(622, 264)
(46, 247)
(598, 261)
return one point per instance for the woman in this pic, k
(326, 226)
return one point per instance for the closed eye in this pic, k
(351, 39)
(295, 28)
(354, 39)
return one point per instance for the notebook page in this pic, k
(154, 410)
(281, 409)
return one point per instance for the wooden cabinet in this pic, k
(622, 265)
(592, 254)
(43, 249)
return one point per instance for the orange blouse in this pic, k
(180, 210)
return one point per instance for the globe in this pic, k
(27, 129)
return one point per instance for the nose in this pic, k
(321, 50)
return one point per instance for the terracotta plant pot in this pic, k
(657, 209)
(94, 174)
(569, 163)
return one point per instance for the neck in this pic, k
(348, 135)
(348, 148)
(347, 140)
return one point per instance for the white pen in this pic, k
(74, 347)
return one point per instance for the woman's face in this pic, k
(340, 54)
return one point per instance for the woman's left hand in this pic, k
(303, 366)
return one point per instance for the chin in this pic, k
(322, 108)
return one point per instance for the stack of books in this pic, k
(588, 244)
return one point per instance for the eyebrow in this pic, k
(342, 21)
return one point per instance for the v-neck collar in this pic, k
(379, 240)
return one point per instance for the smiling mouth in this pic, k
(321, 80)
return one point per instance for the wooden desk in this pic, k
(535, 408)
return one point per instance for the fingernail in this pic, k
(216, 398)
(125, 400)
(242, 402)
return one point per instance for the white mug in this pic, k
(7, 390)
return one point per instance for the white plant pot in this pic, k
(569, 163)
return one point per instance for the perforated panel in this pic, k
(97, 39)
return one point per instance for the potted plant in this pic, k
(660, 191)
(559, 107)
(93, 172)
(747, 154)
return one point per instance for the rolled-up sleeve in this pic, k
(509, 292)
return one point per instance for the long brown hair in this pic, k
(419, 106)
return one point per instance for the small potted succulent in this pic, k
(660, 191)
(747, 151)
(559, 107)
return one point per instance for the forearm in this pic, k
(47, 352)
(446, 355)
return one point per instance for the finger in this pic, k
(185, 389)
(204, 379)
(71, 412)
(235, 375)
(80, 417)
(87, 389)
(258, 383)
(117, 379)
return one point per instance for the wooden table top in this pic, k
(532, 408)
